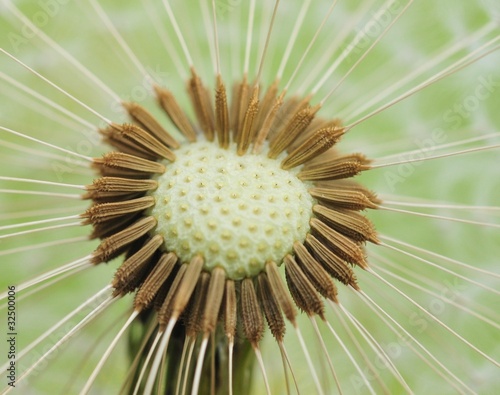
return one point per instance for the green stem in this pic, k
(216, 355)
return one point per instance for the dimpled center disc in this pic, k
(236, 211)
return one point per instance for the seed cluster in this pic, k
(205, 225)
(238, 212)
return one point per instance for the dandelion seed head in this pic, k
(182, 195)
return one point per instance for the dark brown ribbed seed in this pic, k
(132, 271)
(333, 264)
(345, 198)
(122, 165)
(222, 114)
(319, 142)
(112, 246)
(264, 130)
(202, 105)
(245, 136)
(348, 222)
(342, 167)
(149, 123)
(267, 104)
(99, 213)
(114, 187)
(280, 292)
(112, 135)
(167, 101)
(316, 274)
(158, 276)
(270, 307)
(186, 287)
(131, 135)
(108, 228)
(344, 247)
(296, 125)
(303, 292)
(238, 106)
(316, 124)
(289, 108)
(252, 321)
(197, 305)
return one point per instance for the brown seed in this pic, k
(99, 213)
(113, 245)
(267, 103)
(202, 105)
(303, 292)
(108, 228)
(251, 316)
(332, 263)
(289, 132)
(187, 285)
(265, 129)
(342, 167)
(213, 299)
(156, 278)
(165, 303)
(194, 317)
(319, 142)
(350, 185)
(344, 198)
(318, 276)
(286, 112)
(118, 162)
(348, 222)
(112, 136)
(221, 114)
(280, 292)
(109, 187)
(270, 307)
(140, 139)
(132, 270)
(149, 123)
(316, 124)
(245, 136)
(167, 101)
(230, 309)
(239, 104)
(343, 246)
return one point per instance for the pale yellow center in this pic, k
(236, 211)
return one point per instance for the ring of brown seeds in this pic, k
(267, 187)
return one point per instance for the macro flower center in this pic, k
(204, 224)
(238, 212)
